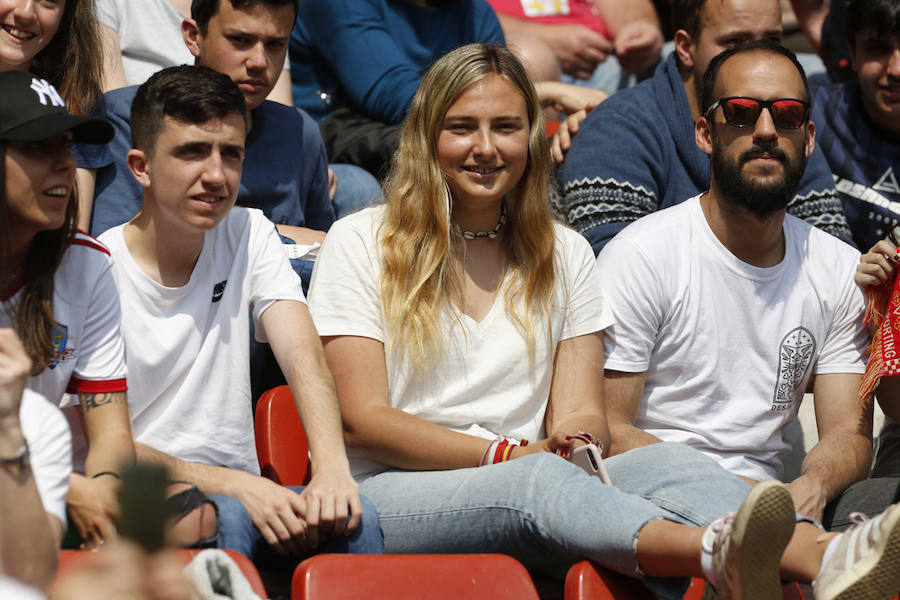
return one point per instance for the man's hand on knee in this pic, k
(277, 512)
(332, 504)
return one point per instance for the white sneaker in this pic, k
(865, 564)
(747, 546)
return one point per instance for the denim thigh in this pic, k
(548, 513)
(237, 531)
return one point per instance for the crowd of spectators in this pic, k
(365, 200)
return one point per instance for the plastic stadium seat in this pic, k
(281, 446)
(587, 581)
(412, 577)
(71, 558)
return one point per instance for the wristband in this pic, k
(498, 453)
(102, 473)
(486, 450)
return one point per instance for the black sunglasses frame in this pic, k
(767, 104)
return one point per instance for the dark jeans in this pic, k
(870, 496)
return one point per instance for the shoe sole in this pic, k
(877, 575)
(761, 531)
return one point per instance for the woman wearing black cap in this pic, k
(57, 40)
(58, 293)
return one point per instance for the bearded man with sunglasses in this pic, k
(635, 154)
(728, 309)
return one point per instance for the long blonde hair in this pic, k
(422, 248)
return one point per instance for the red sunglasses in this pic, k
(741, 111)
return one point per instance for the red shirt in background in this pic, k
(556, 12)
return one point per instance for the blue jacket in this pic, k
(371, 54)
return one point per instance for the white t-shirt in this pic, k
(149, 35)
(50, 445)
(90, 356)
(13, 589)
(728, 348)
(90, 353)
(484, 384)
(188, 347)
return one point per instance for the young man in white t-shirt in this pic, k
(190, 267)
(727, 310)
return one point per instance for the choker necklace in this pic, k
(480, 235)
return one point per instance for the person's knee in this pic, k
(368, 538)
(236, 529)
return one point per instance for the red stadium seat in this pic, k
(412, 576)
(281, 445)
(587, 581)
(69, 559)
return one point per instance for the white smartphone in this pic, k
(588, 458)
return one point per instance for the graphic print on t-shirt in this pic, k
(545, 8)
(60, 336)
(794, 357)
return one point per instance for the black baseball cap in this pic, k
(32, 110)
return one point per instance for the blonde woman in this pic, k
(459, 322)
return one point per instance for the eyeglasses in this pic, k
(741, 111)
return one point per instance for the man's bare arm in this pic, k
(332, 494)
(623, 393)
(811, 16)
(843, 454)
(636, 32)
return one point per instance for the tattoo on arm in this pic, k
(90, 401)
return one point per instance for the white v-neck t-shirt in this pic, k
(483, 383)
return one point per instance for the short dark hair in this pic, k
(882, 15)
(204, 10)
(190, 94)
(707, 94)
(686, 15)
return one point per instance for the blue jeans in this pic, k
(356, 189)
(237, 531)
(548, 513)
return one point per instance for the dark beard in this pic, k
(760, 198)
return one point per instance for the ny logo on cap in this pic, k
(46, 91)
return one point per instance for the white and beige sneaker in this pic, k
(747, 545)
(865, 564)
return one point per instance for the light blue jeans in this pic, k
(237, 531)
(548, 513)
